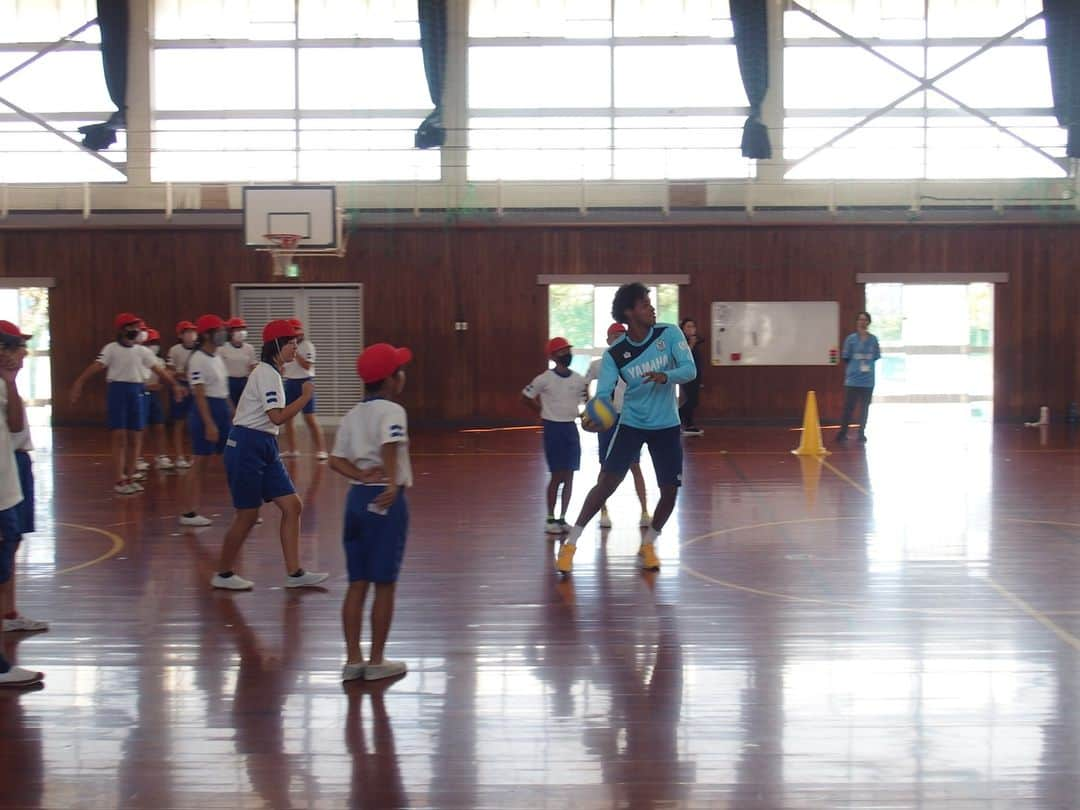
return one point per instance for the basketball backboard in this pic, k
(308, 211)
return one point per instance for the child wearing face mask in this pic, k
(123, 361)
(239, 357)
(176, 361)
(154, 414)
(557, 395)
(211, 412)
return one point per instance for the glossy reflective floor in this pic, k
(896, 627)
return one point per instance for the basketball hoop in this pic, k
(283, 250)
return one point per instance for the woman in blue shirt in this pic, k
(861, 351)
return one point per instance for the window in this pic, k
(66, 88)
(595, 90)
(832, 85)
(326, 90)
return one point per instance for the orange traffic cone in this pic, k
(811, 444)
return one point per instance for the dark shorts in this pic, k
(124, 401)
(253, 468)
(178, 411)
(26, 481)
(219, 412)
(374, 543)
(154, 413)
(562, 446)
(604, 439)
(9, 541)
(236, 388)
(293, 390)
(665, 448)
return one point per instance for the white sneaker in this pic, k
(646, 520)
(233, 583)
(194, 520)
(142, 465)
(605, 519)
(22, 624)
(182, 463)
(139, 474)
(305, 580)
(351, 672)
(290, 454)
(387, 669)
(163, 463)
(135, 486)
(124, 488)
(322, 455)
(552, 527)
(18, 676)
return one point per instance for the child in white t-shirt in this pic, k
(371, 449)
(557, 395)
(124, 361)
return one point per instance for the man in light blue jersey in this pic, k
(651, 359)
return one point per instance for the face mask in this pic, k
(563, 360)
(131, 335)
(239, 336)
(219, 338)
(155, 348)
(188, 339)
(142, 336)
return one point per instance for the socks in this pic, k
(189, 514)
(650, 535)
(572, 537)
(299, 572)
(225, 574)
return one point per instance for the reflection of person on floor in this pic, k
(22, 752)
(376, 774)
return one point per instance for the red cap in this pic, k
(236, 322)
(152, 334)
(557, 344)
(380, 360)
(299, 324)
(185, 326)
(278, 329)
(125, 319)
(8, 328)
(208, 323)
(616, 329)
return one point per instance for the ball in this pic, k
(601, 412)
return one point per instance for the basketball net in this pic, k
(283, 251)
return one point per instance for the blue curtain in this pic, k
(431, 133)
(113, 22)
(1063, 50)
(750, 22)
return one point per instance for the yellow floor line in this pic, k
(117, 546)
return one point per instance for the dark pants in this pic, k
(855, 398)
(691, 391)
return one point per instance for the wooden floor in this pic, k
(896, 627)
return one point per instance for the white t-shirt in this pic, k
(148, 375)
(366, 428)
(208, 370)
(20, 440)
(593, 374)
(264, 392)
(177, 358)
(560, 397)
(295, 371)
(239, 360)
(126, 363)
(10, 490)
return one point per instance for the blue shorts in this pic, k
(125, 405)
(293, 390)
(374, 543)
(152, 410)
(178, 411)
(665, 447)
(604, 440)
(236, 388)
(9, 541)
(26, 481)
(219, 412)
(562, 446)
(253, 468)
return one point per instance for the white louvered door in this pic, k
(333, 320)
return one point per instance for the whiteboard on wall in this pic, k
(775, 333)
